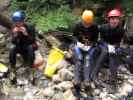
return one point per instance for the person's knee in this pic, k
(30, 53)
(30, 50)
(77, 55)
(30, 47)
(13, 51)
(104, 50)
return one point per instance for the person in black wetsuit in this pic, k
(23, 40)
(111, 35)
(86, 34)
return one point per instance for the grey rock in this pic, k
(97, 92)
(103, 95)
(56, 78)
(58, 96)
(63, 64)
(65, 85)
(66, 75)
(22, 81)
(68, 95)
(47, 92)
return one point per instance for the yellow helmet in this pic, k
(88, 16)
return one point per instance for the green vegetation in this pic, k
(44, 18)
(50, 14)
(61, 17)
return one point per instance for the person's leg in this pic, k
(86, 70)
(29, 55)
(113, 66)
(77, 59)
(100, 61)
(12, 69)
(130, 64)
(12, 57)
(129, 60)
(88, 64)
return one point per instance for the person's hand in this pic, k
(86, 48)
(15, 30)
(111, 48)
(80, 45)
(23, 30)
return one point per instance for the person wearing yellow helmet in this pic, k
(88, 17)
(86, 34)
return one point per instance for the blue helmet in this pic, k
(18, 16)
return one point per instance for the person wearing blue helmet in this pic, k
(23, 40)
(18, 16)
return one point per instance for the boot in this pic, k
(12, 74)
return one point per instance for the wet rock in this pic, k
(41, 83)
(66, 75)
(58, 96)
(52, 40)
(57, 87)
(104, 75)
(65, 85)
(63, 64)
(1, 35)
(130, 80)
(47, 92)
(2, 40)
(123, 69)
(22, 81)
(92, 85)
(124, 88)
(97, 92)
(56, 78)
(29, 93)
(71, 68)
(68, 54)
(97, 98)
(126, 77)
(50, 84)
(103, 95)
(68, 95)
(83, 94)
(118, 95)
(28, 96)
(38, 74)
(112, 97)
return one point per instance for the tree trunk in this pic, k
(5, 21)
(4, 5)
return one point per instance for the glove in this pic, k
(111, 48)
(80, 45)
(83, 47)
(86, 48)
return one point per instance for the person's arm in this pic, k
(124, 37)
(76, 34)
(101, 33)
(95, 35)
(14, 33)
(31, 32)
